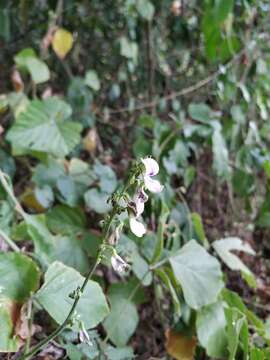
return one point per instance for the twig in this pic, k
(184, 91)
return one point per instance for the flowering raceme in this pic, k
(151, 168)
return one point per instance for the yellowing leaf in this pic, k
(90, 141)
(62, 42)
(179, 346)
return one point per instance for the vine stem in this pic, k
(79, 293)
(60, 328)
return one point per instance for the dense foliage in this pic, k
(88, 86)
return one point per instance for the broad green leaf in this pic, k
(48, 174)
(60, 282)
(41, 236)
(62, 42)
(65, 220)
(19, 276)
(128, 49)
(198, 273)
(211, 330)
(97, 201)
(8, 341)
(200, 112)
(92, 80)
(120, 353)
(38, 70)
(28, 60)
(43, 127)
(22, 57)
(68, 250)
(160, 233)
(224, 247)
(145, 9)
(123, 319)
(106, 177)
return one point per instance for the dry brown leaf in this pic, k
(179, 346)
(17, 81)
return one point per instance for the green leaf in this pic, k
(211, 330)
(44, 128)
(224, 247)
(198, 273)
(122, 322)
(92, 80)
(38, 70)
(198, 226)
(19, 276)
(123, 353)
(60, 281)
(128, 49)
(160, 233)
(222, 8)
(257, 354)
(106, 176)
(220, 151)
(97, 201)
(27, 60)
(145, 9)
(7, 164)
(66, 220)
(68, 250)
(200, 112)
(166, 280)
(41, 236)
(8, 341)
(237, 330)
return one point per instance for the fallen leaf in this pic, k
(62, 42)
(179, 346)
(17, 81)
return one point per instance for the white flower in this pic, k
(139, 199)
(151, 169)
(118, 263)
(136, 227)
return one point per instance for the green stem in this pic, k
(60, 328)
(10, 243)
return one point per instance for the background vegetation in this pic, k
(87, 86)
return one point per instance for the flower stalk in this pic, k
(141, 174)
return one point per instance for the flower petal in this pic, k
(139, 199)
(139, 208)
(118, 263)
(152, 185)
(136, 227)
(151, 166)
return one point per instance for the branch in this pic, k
(186, 90)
